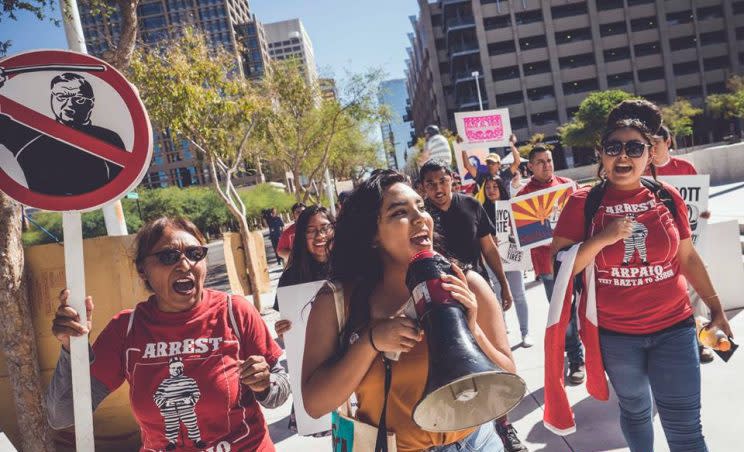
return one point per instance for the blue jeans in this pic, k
(573, 344)
(484, 439)
(665, 365)
(516, 284)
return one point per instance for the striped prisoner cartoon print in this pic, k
(176, 396)
(636, 241)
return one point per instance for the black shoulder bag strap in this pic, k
(657, 188)
(381, 443)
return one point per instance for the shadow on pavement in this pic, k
(279, 431)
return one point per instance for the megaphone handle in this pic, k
(381, 443)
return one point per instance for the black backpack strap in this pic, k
(593, 201)
(664, 195)
(381, 442)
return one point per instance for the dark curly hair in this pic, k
(637, 109)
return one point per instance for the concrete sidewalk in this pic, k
(598, 427)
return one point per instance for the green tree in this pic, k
(300, 130)
(728, 105)
(585, 129)
(678, 117)
(353, 154)
(536, 138)
(199, 94)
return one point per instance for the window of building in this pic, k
(541, 119)
(616, 54)
(581, 86)
(684, 42)
(614, 28)
(713, 63)
(741, 58)
(643, 23)
(688, 67)
(585, 59)
(657, 98)
(544, 92)
(649, 48)
(514, 97)
(533, 42)
(492, 23)
(605, 5)
(692, 91)
(440, 43)
(653, 73)
(572, 9)
(620, 79)
(295, 40)
(506, 73)
(716, 88)
(579, 34)
(519, 122)
(740, 33)
(498, 48)
(710, 12)
(444, 68)
(639, 2)
(738, 7)
(539, 67)
(528, 17)
(148, 9)
(436, 20)
(286, 43)
(681, 17)
(153, 22)
(713, 37)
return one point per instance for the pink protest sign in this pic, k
(489, 128)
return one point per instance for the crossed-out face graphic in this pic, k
(72, 99)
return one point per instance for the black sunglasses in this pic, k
(170, 256)
(633, 149)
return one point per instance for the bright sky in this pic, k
(346, 34)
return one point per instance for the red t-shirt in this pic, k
(640, 289)
(287, 238)
(182, 369)
(542, 260)
(676, 167)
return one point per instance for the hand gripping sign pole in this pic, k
(59, 153)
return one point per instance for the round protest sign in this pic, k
(74, 134)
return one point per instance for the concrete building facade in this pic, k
(396, 133)
(288, 39)
(540, 59)
(226, 23)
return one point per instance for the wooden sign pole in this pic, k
(80, 361)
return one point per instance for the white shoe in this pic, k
(527, 341)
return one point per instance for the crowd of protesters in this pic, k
(646, 341)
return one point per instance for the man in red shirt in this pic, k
(284, 247)
(541, 166)
(666, 164)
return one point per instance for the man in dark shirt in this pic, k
(468, 233)
(51, 166)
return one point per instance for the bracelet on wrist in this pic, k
(372, 341)
(709, 297)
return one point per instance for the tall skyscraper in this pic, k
(397, 132)
(288, 39)
(227, 23)
(540, 59)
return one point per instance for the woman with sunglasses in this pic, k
(198, 361)
(642, 255)
(383, 225)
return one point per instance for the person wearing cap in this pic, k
(494, 167)
(436, 148)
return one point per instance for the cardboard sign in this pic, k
(295, 303)
(536, 214)
(74, 134)
(489, 128)
(513, 258)
(694, 191)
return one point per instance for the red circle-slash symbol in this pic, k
(124, 167)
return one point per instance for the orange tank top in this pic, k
(407, 386)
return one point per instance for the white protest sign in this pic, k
(485, 129)
(513, 258)
(295, 302)
(694, 191)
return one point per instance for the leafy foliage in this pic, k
(39, 8)
(728, 105)
(679, 115)
(585, 129)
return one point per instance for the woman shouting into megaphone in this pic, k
(358, 318)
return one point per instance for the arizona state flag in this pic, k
(558, 417)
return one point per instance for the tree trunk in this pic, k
(17, 333)
(127, 34)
